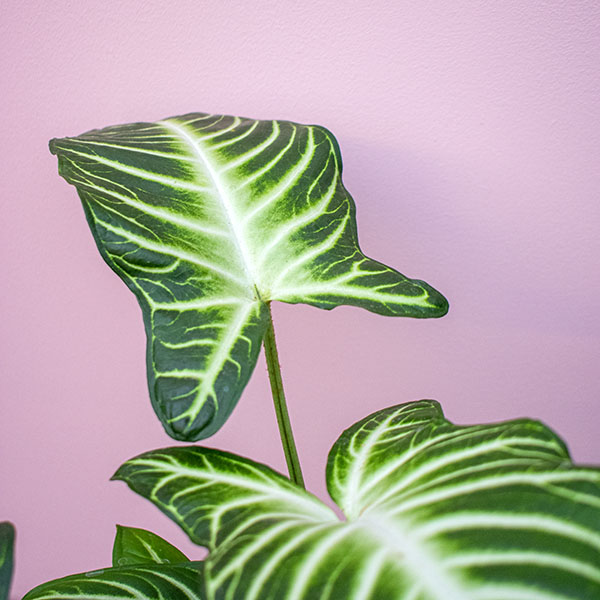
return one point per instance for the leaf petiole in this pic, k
(281, 411)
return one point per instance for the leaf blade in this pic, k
(7, 542)
(215, 216)
(145, 582)
(134, 546)
(208, 478)
(493, 503)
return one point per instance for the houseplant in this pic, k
(208, 219)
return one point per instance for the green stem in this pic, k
(283, 418)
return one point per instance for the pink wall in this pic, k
(471, 138)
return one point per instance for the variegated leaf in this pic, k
(7, 542)
(208, 219)
(433, 511)
(134, 546)
(139, 582)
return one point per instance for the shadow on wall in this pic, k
(482, 239)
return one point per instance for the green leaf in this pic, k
(135, 546)
(207, 219)
(7, 542)
(142, 582)
(433, 511)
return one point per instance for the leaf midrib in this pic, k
(417, 558)
(202, 161)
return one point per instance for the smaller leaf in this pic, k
(135, 546)
(142, 582)
(7, 541)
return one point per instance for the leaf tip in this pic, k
(439, 304)
(52, 145)
(118, 476)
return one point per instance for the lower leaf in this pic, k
(142, 582)
(7, 541)
(434, 511)
(134, 546)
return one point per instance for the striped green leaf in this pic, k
(208, 219)
(134, 546)
(433, 511)
(7, 542)
(140, 582)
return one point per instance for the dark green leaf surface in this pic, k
(7, 541)
(434, 511)
(141, 582)
(207, 218)
(135, 546)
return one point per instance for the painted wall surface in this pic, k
(470, 133)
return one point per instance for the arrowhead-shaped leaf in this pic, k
(208, 219)
(142, 582)
(134, 546)
(7, 542)
(433, 511)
